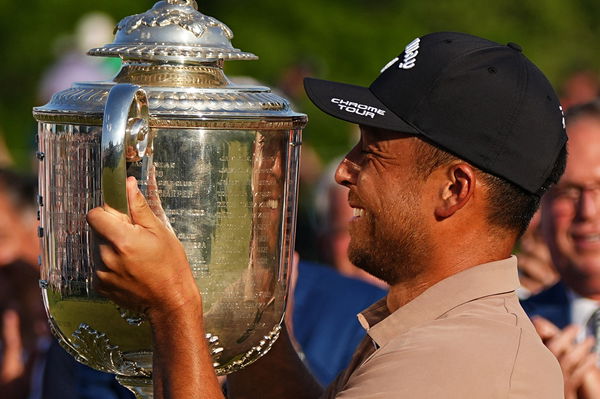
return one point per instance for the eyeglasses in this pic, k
(573, 194)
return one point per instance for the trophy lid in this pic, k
(172, 30)
(175, 54)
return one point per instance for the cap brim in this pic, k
(354, 104)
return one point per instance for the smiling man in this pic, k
(567, 314)
(460, 136)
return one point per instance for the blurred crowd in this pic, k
(559, 255)
(33, 365)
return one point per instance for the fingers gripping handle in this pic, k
(125, 138)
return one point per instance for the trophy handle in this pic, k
(125, 138)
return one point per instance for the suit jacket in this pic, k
(552, 304)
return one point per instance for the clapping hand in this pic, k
(579, 365)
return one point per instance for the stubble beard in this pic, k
(391, 249)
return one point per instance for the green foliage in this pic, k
(345, 40)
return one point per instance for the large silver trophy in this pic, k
(218, 164)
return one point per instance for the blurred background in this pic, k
(44, 41)
(42, 51)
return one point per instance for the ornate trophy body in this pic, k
(218, 164)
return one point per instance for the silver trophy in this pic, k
(218, 164)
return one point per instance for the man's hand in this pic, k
(145, 269)
(578, 364)
(144, 265)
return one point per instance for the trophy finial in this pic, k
(190, 3)
(172, 30)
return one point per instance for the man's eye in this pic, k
(566, 193)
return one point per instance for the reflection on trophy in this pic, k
(217, 162)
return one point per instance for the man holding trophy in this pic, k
(460, 137)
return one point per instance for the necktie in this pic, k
(593, 329)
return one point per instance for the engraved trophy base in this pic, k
(140, 386)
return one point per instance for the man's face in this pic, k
(387, 238)
(571, 211)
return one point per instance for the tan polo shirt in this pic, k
(465, 337)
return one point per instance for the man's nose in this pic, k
(588, 206)
(346, 172)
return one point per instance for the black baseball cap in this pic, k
(482, 101)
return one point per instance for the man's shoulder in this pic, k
(492, 325)
(483, 349)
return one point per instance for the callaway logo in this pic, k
(563, 116)
(358, 109)
(410, 56)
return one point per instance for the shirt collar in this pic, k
(470, 284)
(581, 311)
(581, 308)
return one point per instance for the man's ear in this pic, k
(457, 189)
